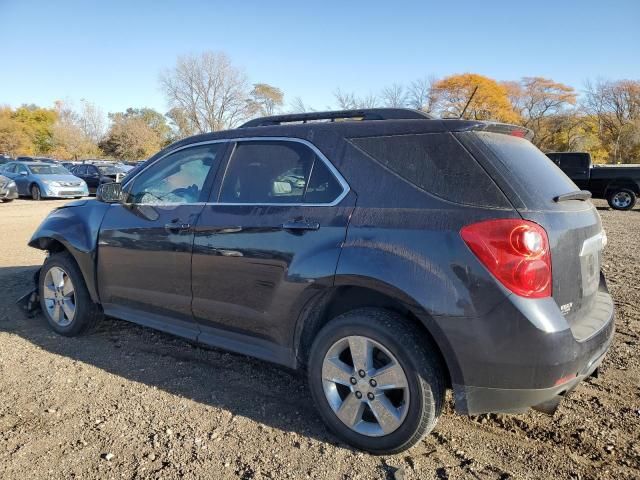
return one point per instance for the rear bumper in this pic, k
(476, 400)
(523, 354)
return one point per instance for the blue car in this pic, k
(44, 180)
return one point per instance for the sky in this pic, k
(112, 52)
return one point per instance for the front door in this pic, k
(268, 242)
(20, 175)
(145, 244)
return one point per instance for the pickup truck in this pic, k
(618, 184)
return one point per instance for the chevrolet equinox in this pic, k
(388, 254)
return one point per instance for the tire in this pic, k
(414, 415)
(85, 315)
(622, 199)
(35, 192)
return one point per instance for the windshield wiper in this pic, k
(577, 195)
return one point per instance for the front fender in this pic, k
(75, 226)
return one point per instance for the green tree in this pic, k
(13, 138)
(136, 133)
(37, 123)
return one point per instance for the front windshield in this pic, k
(48, 169)
(109, 170)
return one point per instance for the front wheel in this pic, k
(35, 192)
(377, 380)
(622, 199)
(64, 298)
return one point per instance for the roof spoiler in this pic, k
(504, 128)
(339, 115)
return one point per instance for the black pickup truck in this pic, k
(618, 184)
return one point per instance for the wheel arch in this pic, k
(622, 183)
(83, 260)
(347, 297)
(74, 228)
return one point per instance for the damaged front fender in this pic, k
(74, 227)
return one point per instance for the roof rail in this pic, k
(332, 116)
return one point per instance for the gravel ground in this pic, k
(127, 402)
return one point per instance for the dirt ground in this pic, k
(127, 402)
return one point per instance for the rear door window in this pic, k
(276, 172)
(436, 163)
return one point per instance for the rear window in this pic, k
(526, 175)
(529, 172)
(572, 160)
(435, 163)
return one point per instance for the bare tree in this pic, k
(394, 96)
(350, 101)
(209, 89)
(297, 105)
(421, 95)
(616, 105)
(535, 100)
(91, 120)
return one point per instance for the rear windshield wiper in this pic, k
(577, 195)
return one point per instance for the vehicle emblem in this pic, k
(566, 308)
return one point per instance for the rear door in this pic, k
(268, 241)
(92, 177)
(145, 244)
(576, 166)
(532, 182)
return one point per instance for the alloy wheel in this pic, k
(365, 386)
(59, 296)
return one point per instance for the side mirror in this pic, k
(109, 193)
(23, 173)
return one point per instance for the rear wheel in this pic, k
(64, 298)
(35, 192)
(376, 380)
(622, 199)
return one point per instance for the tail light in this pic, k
(516, 252)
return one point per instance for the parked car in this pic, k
(8, 189)
(5, 159)
(95, 174)
(70, 165)
(45, 160)
(618, 184)
(391, 255)
(43, 180)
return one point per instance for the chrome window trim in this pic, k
(334, 171)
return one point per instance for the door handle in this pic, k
(178, 227)
(300, 225)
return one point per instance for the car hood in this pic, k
(60, 178)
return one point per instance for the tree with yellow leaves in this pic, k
(490, 101)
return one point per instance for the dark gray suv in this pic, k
(391, 255)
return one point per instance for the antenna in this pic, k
(468, 101)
